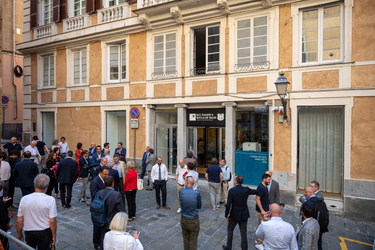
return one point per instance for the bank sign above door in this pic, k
(206, 117)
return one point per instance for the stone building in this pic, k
(199, 75)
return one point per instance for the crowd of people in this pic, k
(114, 182)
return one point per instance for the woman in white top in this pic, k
(118, 238)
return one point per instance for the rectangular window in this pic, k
(321, 147)
(79, 7)
(165, 56)
(206, 50)
(117, 62)
(49, 71)
(252, 41)
(321, 34)
(115, 2)
(47, 11)
(80, 66)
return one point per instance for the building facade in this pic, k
(199, 75)
(11, 82)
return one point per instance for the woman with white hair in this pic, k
(118, 238)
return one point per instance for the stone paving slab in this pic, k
(160, 229)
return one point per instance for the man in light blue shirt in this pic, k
(190, 203)
(276, 233)
(225, 184)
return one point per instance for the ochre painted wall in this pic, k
(82, 125)
(33, 120)
(34, 71)
(137, 91)
(61, 95)
(137, 57)
(285, 37)
(34, 97)
(77, 95)
(95, 63)
(282, 147)
(46, 97)
(363, 30)
(95, 94)
(252, 84)
(165, 90)
(115, 93)
(363, 76)
(208, 87)
(363, 143)
(93, 19)
(140, 136)
(61, 68)
(320, 79)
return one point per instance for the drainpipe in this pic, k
(14, 54)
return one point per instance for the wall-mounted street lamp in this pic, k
(282, 90)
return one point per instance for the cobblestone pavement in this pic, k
(160, 229)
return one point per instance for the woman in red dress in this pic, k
(130, 188)
(78, 156)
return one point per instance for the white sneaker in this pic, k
(179, 210)
(259, 246)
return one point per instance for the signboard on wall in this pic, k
(206, 117)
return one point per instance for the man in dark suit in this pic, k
(113, 205)
(96, 185)
(308, 235)
(273, 190)
(237, 212)
(95, 161)
(67, 173)
(144, 164)
(24, 174)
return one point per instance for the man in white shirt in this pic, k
(64, 148)
(33, 150)
(194, 174)
(180, 171)
(276, 233)
(38, 219)
(159, 176)
(225, 184)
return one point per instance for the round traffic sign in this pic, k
(134, 112)
(4, 99)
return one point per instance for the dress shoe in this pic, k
(157, 206)
(259, 246)
(225, 247)
(166, 207)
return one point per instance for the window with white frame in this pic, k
(80, 66)
(47, 12)
(117, 62)
(206, 50)
(252, 44)
(165, 56)
(115, 2)
(48, 71)
(321, 34)
(79, 7)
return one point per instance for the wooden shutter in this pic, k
(63, 9)
(33, 13)
(98, 4)
(90, 6)
(56, 10)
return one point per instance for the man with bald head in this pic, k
(273, 189)
(276, 233)
(315, 187)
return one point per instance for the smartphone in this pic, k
(133, 231)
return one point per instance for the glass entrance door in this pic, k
(166, 145)
(206, 144)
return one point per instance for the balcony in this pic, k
(113, 13)
(45, 30)
(148, 3)
(76, 23)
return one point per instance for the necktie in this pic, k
(159, 173)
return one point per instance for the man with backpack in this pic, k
(105, 205)
(320, 212)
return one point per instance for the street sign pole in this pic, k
(134, 113)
